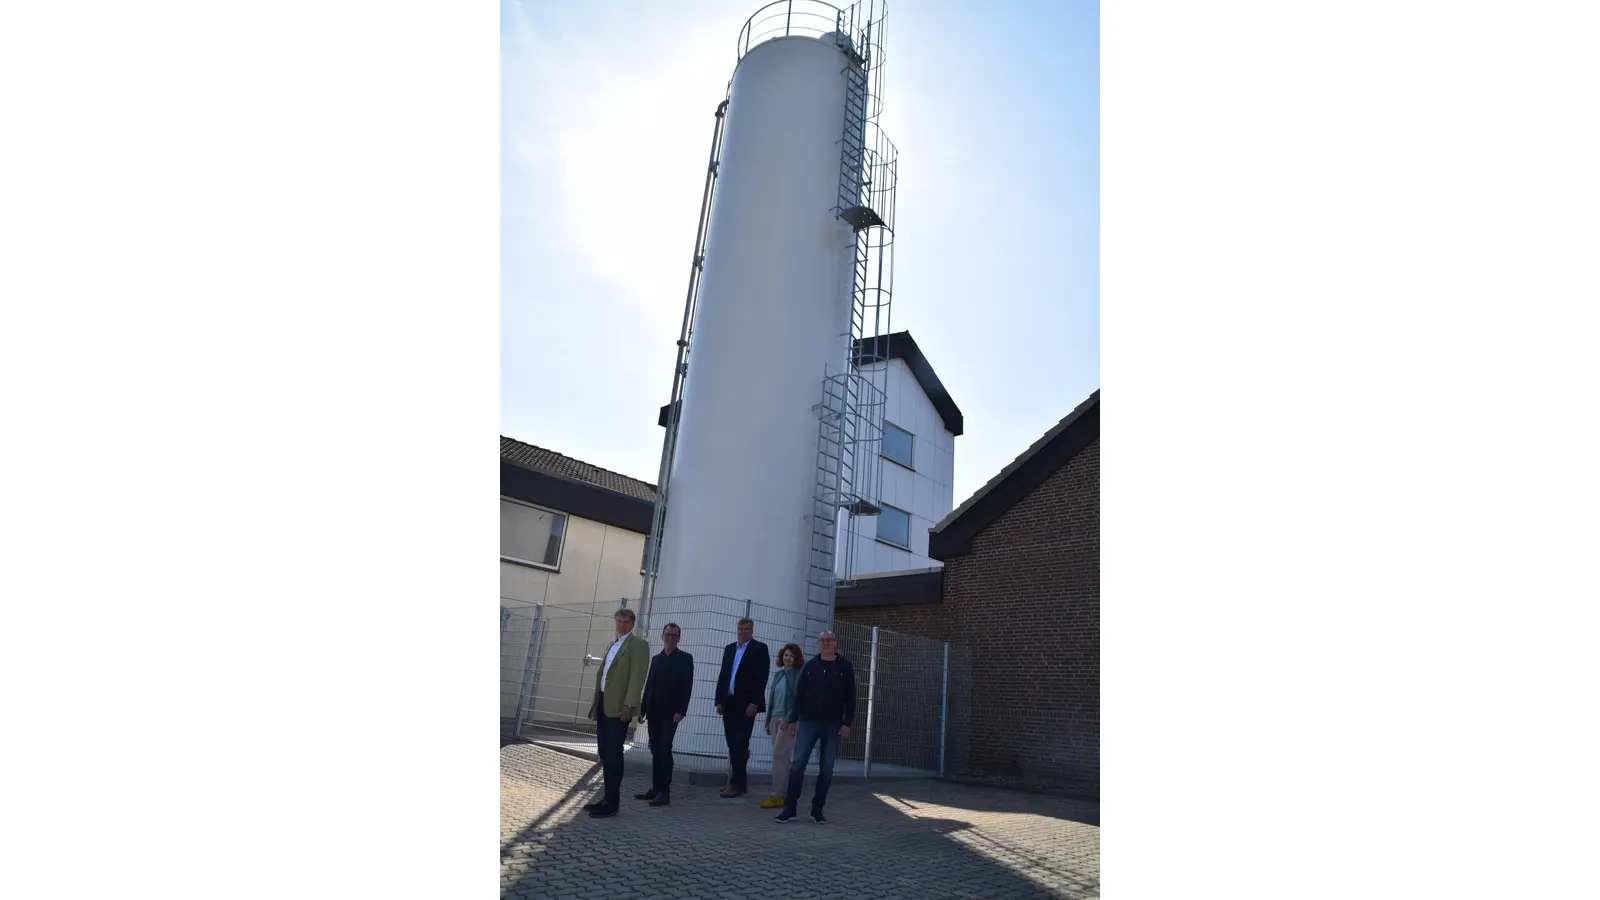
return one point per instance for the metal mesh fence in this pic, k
(913, 695)
(516, 666)
(911, 708)
(901, 712)
(709, 623)
(957, 741)
(547, 655)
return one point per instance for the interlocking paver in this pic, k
(883, 840)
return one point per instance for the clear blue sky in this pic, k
(606, 126)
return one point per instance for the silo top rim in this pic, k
(818, 39)
(847, 29)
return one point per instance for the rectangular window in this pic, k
(530, 535)
(897, 443)
(894, 527)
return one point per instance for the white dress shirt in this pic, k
(611, 658)
(738, 654)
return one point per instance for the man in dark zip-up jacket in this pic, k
(824, 710)
(665, 704)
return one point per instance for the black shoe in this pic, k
(590, 807)
(646, 795)
(785, 817)
(661, 800)
(819, 818)
(603, 811)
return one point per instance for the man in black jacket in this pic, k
(824, 709)
(665, 703)
(741, 694)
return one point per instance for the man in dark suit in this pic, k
(665, 703)
(741, 695)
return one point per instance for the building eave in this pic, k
(953, 535)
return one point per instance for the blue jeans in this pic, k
(808, 735)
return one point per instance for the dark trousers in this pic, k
(737, 727)
(662, 729)
(609, 732)
(808, 735)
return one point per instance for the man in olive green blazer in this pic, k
(616, 695)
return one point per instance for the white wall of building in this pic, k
(925, 491)
(599, 565)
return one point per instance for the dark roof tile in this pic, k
(553, 463)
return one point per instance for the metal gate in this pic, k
(547, 659)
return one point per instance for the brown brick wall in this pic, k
(1026, 601)
(926, 621)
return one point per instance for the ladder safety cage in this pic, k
(854, 394)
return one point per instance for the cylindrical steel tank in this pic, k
(773, 315)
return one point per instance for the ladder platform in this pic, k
(863, 508)
(861, 217)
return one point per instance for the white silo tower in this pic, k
(772, 404)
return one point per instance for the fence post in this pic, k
(747, 609)
(527, 671)
(944, 707)
(872, 696)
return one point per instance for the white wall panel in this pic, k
(922, 496)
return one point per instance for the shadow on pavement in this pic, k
(882, 840)
(585, 786)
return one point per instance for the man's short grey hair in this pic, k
(744, 622)
(628, 614)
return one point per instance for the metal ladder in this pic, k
(844, 434)
(836, 466)
(866, 202)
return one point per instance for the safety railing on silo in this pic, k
(848, 25)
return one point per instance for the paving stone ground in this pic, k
(883, 841)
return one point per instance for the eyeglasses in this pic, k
(670, 634)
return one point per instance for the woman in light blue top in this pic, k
(780, 709)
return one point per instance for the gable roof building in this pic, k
(1020, 591)
(953, 535)
(547, 478)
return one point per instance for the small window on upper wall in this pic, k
(530, 535)
(894, 527)
(897, 444)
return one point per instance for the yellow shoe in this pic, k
(772, 802)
